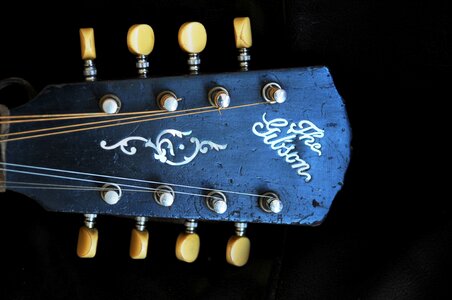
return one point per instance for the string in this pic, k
(37, 185)
(125, 123)
(61, 117)
(103, 182)
(96, 122)
(122, 178)
(96, 114)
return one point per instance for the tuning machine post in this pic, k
(216, 202)
(219, 97)
(270, 203)
(167, 100)
(164, 195)
(273, 93)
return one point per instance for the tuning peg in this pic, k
(216, 202)
(87, 238)
(188, 243)
(139, 239)
(270, 202)
(238, 247)
(164, 195)
(140, 41)
(88, 49)
(219, 97)
(192, 39)
(167, 100)
(110, 104)
(273, 92)
(243, 40)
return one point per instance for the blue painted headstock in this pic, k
(298, 150)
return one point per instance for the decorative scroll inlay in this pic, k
(164, 146)
(305, 131)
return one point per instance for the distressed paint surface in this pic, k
(246, 165)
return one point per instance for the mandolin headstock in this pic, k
(268, 146)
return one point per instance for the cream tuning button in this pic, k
(110, 104)
(192, 39)
(243, 40)
(164, 195)
(88, 51)
(273, 93)
(219, 97)
(140, 41)
(270, 202)
(111, 193)
(188, 243)
(167, 100)
(87, 238)
(216, 202)
(139, 239)
(238, 246)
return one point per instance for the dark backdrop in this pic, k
(388, 234)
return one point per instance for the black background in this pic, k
(388, 234)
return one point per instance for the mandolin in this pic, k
(264, 146)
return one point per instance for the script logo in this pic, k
(304, 131)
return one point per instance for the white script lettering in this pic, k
(304, 131)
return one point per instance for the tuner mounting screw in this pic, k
(270, 202)
(111, 193)
(164, 195)
(141, 223)
(273, 93)
(216, 202)
(167, 100)
(90, 220)
(219, 97)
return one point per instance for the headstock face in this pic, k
(298, 149)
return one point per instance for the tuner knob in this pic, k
(273, 93)
(167, 100)
(192, 39)
(88, 49)
(140, 41)
(238, 247)
(216, 202)
(270, 202)
(188, 243)
(243, 41)
(87, 238)
(139, 239)
(164, 195)
(219, 97)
